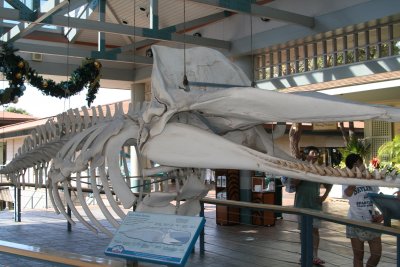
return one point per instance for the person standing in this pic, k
(308, 196)
(361, 208)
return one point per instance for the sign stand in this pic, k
(157, 238)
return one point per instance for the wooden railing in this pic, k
(66, 258)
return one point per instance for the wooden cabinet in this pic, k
(227, 187)
(264, 218)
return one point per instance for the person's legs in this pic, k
(375, 247)
(358, 251)
(315, 242)
(316, 259)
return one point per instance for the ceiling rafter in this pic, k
(246, 6)
(78, 53)
(113, 15)
(119, 29)
(175, 28)
(26, 11)
(23, 29)
(86, 11)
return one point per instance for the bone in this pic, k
(107, 191)
(86, 117)
(349, 172)
(86, 208)
(112, 148)
(377, 175)
(71, 205)
(100, 202)
(59, 204)
(328, 171)
(53, 202)
(108, 113)
(320, 169)
(100, 114)
(383, 172)
(40, 180)
(313, 168)
(93, 118)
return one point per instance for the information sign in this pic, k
(157, 238)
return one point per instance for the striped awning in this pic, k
(5, 194)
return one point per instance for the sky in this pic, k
(39, 105)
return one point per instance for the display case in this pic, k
(227, 187)
(259, 217)
(257, 184)
(262, 192)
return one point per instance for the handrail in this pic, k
(319, 214)
(307, 216)
(66, 258)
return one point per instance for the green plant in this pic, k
(389, 153)
(17, 110)
(355, 145)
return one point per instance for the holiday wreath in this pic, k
(16, 70)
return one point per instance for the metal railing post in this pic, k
(398, 250)
(202, 230)
(306, 239)
(69, 226)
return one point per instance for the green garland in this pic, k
(16, 70)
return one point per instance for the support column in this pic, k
(137, 93)
(101, 38)
(153, 14)
(245, 195)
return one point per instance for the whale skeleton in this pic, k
(185, 128)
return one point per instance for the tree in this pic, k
(17, 110)
(294, 139)
(357, 146)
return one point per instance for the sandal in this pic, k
(318, 261)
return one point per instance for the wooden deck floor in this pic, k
(233, 246)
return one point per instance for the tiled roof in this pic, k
(5, 115)
(27, 126)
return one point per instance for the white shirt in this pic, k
(361, 206)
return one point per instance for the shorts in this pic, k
(316, 223)
(361, 234)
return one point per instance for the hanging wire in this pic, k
(134, 40)
(253, 83)
(139, 156)
(66, 90)
(185, 79)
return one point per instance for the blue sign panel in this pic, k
(158, 238)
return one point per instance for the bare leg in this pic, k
(358, 251)
(375, 246)
(315, 242)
